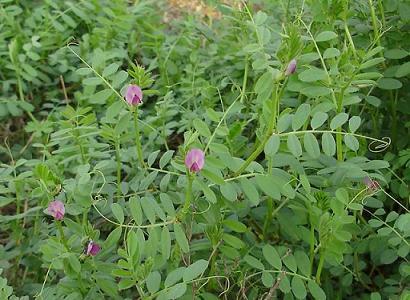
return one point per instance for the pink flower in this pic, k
(195, 160)
(133, 95)
(372, 185)
(56, 209)
(291, 67)
(93, 248)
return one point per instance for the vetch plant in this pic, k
(251, 154)
(56, 209)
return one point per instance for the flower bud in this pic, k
(291, 67)
(195, 160)
(56, 209)
(133, 95)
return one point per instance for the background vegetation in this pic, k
(305, 188)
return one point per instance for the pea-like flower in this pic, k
(291, 68)
(372, 185)
(92, 248)
(56, 209)
(133, 95)
(195, 160)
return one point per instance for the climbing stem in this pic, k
(62, 236)
(188, 196)
(118, 159)
(138, 139)
(320, 266)
(275, 101)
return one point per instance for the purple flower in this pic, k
(291, 67)
(195, 160)
(56, 209)
(372, 185)
(133, 95)
(93, 248)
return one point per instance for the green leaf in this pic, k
(315, 91)
(264, 83)
(389, 84)
(311, 145)
(152, 157)
(235, 225)
(304, 180)
(267, 279)
(328, 144)
(202, 128)
(342, 195)
(194, 270)
(118, 212)
(111, 69)
(153, 281)
(209, 194)
(181, 238)
(301, 116)
(112, 238)
(176, 291)
(92, 81)
(233, 241)
(294, 145)
(351, 142)
(83, 71)
(325, 36)
(213, 176)
(339, 120)
(135, 209)
(284, 122)
(272, 257)
(371, 63)
(165, 243)
(74, 263)
(403, 70)
(354, 123)
(174, 276)
(313, 74)
(318, 119)
(303, 263)
(331, 53)
(396, 53)
(250, 191)
(272, 145)
(316, 291)
(268, 186)
(298, 288)
(166, 158)
(284, 285)
(119, 78)
(132, 243)
(290, 263)
(254, 262)
(228, 191)
(148, 208)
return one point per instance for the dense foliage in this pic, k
(267, 155)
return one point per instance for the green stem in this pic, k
(188, 196)
(320, 267)
(268, 218)
(138, 139)
(271, 126)
(312, 246)
(118, 159)
(62, 236)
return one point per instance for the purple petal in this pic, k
(133, 94)
(195, 160)
(93, 248)
(56, 209)
(291, 67)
